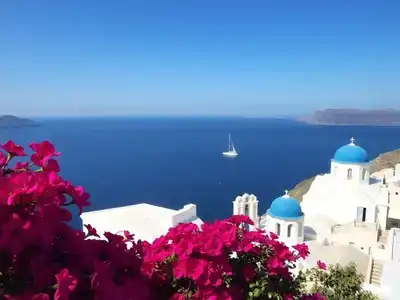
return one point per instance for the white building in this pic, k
(349, 205)
(347, 215)
(147, 222)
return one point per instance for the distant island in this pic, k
(352, 117)
(9, 121)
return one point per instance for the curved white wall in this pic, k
(290, 232)
(359, 173)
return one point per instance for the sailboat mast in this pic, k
(229, 145)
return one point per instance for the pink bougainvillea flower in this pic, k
(91, 231)
(21, 185)
(28, 296)
(44, 149)
(190, 268)
(50, 165)
(283, 252)
(210, 244)
(288, 297)
(274, 262)
(66, 283)
(3, 190)
(40, 296)
(273, 236)
(127, 236)
(240, 219)
(321, 265)
(80, 198)
(248, 272)
(113, 238)
(178, 296)
(43, 153)
(21, 166)
(3, 159)
(12, 149)
(302, 250)
(316, 296)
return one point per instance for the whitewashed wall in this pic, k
(360, 172)
(297, 229)
(340, 202)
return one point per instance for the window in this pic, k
(364, 174)
(289, 230)
(246, 210)
(361, 214)
(278, 229)
(349, 174)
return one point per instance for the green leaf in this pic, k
(257, 293)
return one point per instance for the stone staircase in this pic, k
(376, 272)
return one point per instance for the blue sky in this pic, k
(256, 58)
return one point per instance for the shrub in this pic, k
(338, 282)
(42, 257)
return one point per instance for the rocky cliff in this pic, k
(383, 161)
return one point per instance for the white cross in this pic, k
(352, 140)
(286, 192)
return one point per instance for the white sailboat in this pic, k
(231, 149)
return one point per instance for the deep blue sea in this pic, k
(176, 161)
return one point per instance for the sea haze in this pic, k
(175, 161)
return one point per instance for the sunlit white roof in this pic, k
(144, 220)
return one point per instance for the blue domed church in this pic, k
(350, 164)
(285, 218)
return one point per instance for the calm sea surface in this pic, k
(175, 161)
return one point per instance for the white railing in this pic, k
(378, 231)
(368, 273)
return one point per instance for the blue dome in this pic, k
(285, 207)
(351, 153)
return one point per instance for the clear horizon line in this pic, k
(158, 116)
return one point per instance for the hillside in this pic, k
(353, 117)
(383, 161)
(9, 121)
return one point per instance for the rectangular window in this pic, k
(349, 174)
(289, 230)
(278, 229)
(361, 214)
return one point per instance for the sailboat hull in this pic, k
(230, 154)
(231, 149)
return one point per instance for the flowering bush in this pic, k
(338, 282)
(42, 257)
(223, 261)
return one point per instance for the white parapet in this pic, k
(147, 222)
